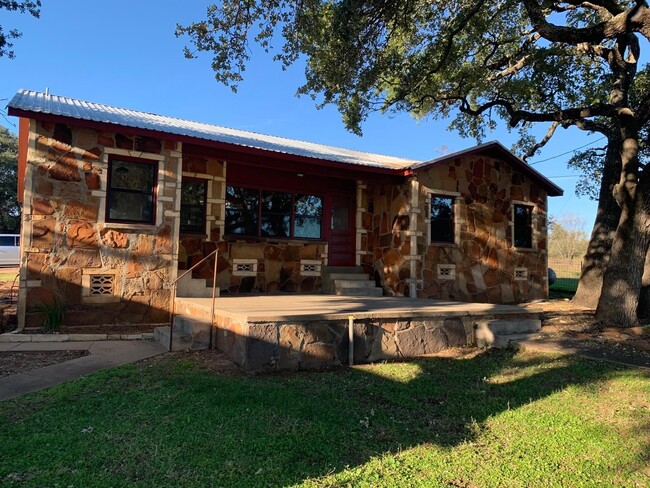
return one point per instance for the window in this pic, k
(131, 191)
(523, 232)
(308, 211)
(442, 219)
(193, 193)
(265, 213)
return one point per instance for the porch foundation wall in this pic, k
(318, 344)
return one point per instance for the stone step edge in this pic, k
(10, 337)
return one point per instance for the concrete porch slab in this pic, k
(280, 308)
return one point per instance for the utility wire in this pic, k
(568, 152)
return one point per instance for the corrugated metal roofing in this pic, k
(34, 101)
(38, 102)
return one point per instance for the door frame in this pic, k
(334, 198)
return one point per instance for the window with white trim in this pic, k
(442, 218)
(523, 226)
(130, 196)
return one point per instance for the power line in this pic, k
(568, 152)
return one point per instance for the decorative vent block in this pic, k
(102, 285)
(310, 267)
(99, 286)
(244, 267)
(521, 274)
(446, 271)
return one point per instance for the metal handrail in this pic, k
(173, 300)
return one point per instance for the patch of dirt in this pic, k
(102, 329)
(563, 320)
(209, 360)
(14, 362)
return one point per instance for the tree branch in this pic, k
(635, 19)
(532, 150)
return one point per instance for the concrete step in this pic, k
(359, 292)
(194, 327)
(348, 276)
(194, 287)
(188, 334)
(354, 284)
(486, 332)
(182, 342)
(343, 269)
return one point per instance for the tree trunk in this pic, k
(622, 281)
(602, 236)
(643, 311)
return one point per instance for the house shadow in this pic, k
(292, 427)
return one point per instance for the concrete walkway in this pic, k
(103, 355)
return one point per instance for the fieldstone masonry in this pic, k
(113, 272)
(397, 247)
(66, 240)
(315, 344)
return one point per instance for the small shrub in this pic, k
(53, 314)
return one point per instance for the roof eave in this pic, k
(358, 168)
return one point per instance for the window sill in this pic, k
(130, 225)
(525, 249)
(443, 244)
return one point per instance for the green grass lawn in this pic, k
(493, 419)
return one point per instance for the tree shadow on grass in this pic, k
(173, 424)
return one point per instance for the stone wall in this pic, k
(278, 266)
(67, 243)
(398, 247)
(387, 240)
(321, 344)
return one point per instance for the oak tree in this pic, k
(23, 6)
(9, 206)
(564, 63)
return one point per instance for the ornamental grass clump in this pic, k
(53, 313)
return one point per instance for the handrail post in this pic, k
(174, 284)
(214, 292)
(171, 316)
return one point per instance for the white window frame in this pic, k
(456, 211)
(533, 219)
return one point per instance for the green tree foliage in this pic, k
(566, 63)
(566, 238)
(25, 6)
(9, 206)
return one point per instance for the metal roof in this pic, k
(33, 101)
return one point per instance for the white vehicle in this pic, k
(9, 250)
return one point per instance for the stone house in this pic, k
(116, 201)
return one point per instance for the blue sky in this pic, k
(124, 53)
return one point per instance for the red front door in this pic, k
(342, 230)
